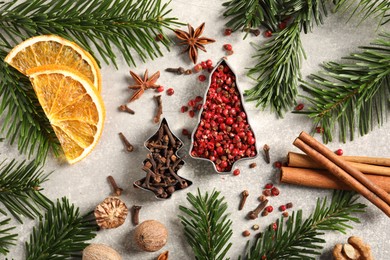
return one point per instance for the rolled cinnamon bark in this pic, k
(324, 179)
(344, 172)
(303, 161)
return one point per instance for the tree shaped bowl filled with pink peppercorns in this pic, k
(223, 134)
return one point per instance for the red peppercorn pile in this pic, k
(223, 134)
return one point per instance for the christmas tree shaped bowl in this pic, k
(162, 164)
(223, 135)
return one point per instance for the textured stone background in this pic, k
(85, 183)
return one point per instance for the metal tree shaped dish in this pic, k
(162, 164)
(223, 134)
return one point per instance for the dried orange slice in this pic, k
(52, 49)
(73, 106)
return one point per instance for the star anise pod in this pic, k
(193, 40)
(143, 84)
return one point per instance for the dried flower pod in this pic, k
(99, 252)
(151, 235)
(111, 213)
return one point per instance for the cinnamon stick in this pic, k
(344, 172)
(303, 161)
(324, 179)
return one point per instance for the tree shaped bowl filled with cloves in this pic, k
(223, 134)
(162, 164)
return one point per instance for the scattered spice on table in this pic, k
(193, 41)
(159, 111)
(142, 84)
(128, 146)
(124, 108)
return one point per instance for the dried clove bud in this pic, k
(117, 190)
(255, 213)
(178, 71)
(266, 149)
(159, 112)
(125, 108)
(244, 195)
(135, 214)
(129, 147)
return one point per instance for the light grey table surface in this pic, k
(85, 182)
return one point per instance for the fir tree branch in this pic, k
(6, 238)
(24, 121)
(61, 234)
(207, 227)
(366, 8)
(252, 14)
(352, 95)
(20, 189)
(278, 71)
(279, 60)
(301, 238)
(104, 24)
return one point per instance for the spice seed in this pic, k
(255, 227)
(246, 233)
(252, 165)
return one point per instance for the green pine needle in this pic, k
(366, 8)
(128, 26)
(61, 234)
(6, 238)
(277, 71)
(20, 189)
(352, 95)
(251, 14)
(299, 238)
(24, 121)
(207, 227)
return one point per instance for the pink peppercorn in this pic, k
(170, 91)
(269, 209)
(160, 89)
(278, 165)
(268, 186)
(236, 172)
(228, 47)
(282, 208)
(202, 78)
(339, 152)
(275, 191)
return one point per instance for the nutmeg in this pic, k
(100, 252)
(151, 235)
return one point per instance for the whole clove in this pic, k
(125, 108)
(266, 149)
(135, 214)
(128, 146)
(178, 71)
(159, 112)
(254, 214)
(244, 195)
(116, 188)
